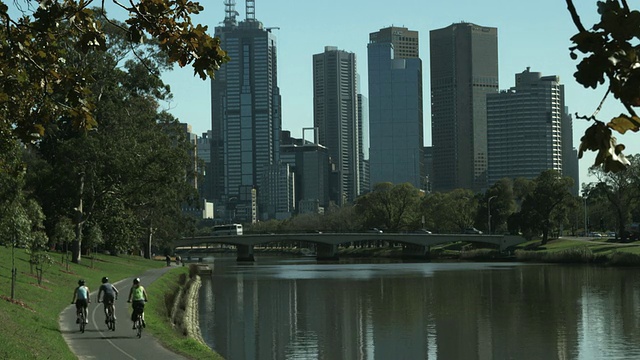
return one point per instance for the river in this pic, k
(279, 308)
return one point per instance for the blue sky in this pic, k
(530, 34)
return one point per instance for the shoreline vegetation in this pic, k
(606, 252)
(30, 320)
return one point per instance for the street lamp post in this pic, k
(489, 213)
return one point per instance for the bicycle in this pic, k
(80, 314)
(111, 319)
(138, 323)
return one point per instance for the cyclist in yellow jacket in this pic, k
(139, 296)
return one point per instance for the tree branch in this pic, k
(626, 6)
(574, 16)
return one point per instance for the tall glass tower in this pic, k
(245, 112)
(396, 133)
(464, 69)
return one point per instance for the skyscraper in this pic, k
(464, 69)
(246, 117)
(335, 115)
(396, 133)
(528, 129)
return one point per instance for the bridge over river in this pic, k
(413, 245)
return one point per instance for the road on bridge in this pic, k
(98, 342)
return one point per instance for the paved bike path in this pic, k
(98, 342)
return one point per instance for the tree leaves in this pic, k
(609, 52)
(40, 86)
(623, 123)
(598, 138)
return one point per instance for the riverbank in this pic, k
(564, 250)
(177, 325)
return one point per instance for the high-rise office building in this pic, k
(464, 69)
(396, 133)
(528, 129)
(363, 130)
(310, 163)
(404, 41)
(246, 118)
(335, 115)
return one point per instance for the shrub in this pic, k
(624, 259)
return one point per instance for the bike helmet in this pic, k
(81, 282)
(105, 280)
(136, 281)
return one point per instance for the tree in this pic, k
(621, 191)
(609, 50)
(130, 174)
(19, 215)
(40, 87)
(550, 191)
(451, 212)
(391, 207)
(502, 205)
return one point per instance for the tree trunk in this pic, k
(545, 233)
(77, 243)
(147, 254)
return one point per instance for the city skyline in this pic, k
(536, 37)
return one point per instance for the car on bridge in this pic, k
(472, 231)
(375, 230)
(422, 231)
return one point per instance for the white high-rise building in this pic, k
(525, 127)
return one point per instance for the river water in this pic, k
(278, 308)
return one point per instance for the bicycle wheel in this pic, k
(139, 327)
(82, 324)
(110, 322)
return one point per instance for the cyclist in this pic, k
(139, 296)
(110, 294)
(82, 300)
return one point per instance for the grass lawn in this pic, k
(595, 245)
(574, 250)
(30, 320)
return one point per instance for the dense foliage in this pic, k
(532, 208)
(118, 185)
(611, 53)
(42, 84)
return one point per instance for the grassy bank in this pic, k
(29, 327)
(572, 250)
(165, 289)
(599, 251)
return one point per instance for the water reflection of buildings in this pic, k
(532, 312)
